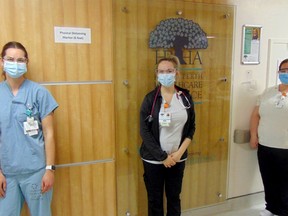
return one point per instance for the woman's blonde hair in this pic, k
(173, 59)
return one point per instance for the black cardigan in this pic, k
(149, 130)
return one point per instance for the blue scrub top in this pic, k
(19, 152)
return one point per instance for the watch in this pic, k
(51, 167)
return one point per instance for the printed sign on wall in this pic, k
(72, 35)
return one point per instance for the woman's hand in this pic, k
(169, 162)
(47, 181)
(254, 141)
(176, 156)
(3, 185)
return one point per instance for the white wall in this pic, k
(244, 177)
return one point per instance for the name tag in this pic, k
(31, 126)
(165, 118)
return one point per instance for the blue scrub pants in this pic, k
(158, 178)
(27, 188)
(273, 164)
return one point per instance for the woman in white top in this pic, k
(269, 133)
(167, 126)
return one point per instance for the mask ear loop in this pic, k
(150, 118)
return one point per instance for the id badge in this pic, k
(279, 104)
(164, 119)
(31, 126)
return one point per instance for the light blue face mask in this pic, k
(14, 69)
(283, 78)
(166, 79)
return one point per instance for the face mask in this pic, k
(166, 79)
(283, 78)
(14, 69)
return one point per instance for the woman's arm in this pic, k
(254, 122)
(176, 156)
(48, 132)
(189, 130)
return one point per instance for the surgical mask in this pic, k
(14, 69)
(166, 79)
(283, 78)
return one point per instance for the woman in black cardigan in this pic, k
(167, 126)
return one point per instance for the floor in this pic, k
(251, 211)
(249, 205)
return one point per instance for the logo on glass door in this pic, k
(178, 34)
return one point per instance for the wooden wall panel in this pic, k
(84, 122)
(84, 190)
(85, 175)
(32, 22)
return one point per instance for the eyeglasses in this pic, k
(283, 70)
(19, 60)
(172, 70)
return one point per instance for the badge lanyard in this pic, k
(164, 116)
(31, 126)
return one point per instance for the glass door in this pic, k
(205, 71)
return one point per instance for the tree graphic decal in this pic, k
(178, 33)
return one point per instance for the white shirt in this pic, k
(170, 136)
(273, 124)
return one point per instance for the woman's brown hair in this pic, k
(283, 62)
(13, 44)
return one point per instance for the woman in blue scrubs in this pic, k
(27, 148)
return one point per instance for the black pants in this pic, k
(156, 178)
(273, 164)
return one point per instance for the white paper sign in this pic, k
(72, 35)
